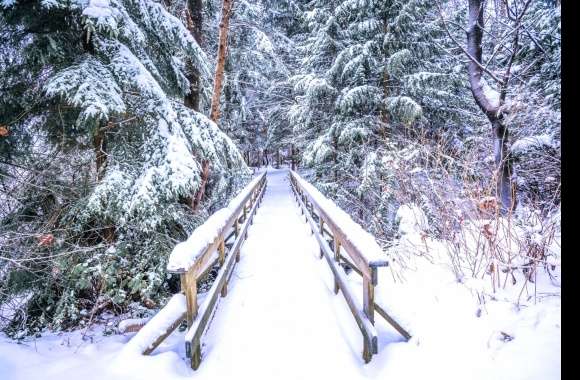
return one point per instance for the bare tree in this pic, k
(490, 101)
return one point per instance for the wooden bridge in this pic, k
(281, 303)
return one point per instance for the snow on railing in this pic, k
(187, 252)
(352, 232)
(158, 328)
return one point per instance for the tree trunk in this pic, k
(201, 191)
(217, 89)
(335, 158)
(505, 188)
(100, 145)
(194, 20)
(278, 158)
(221, 59)
(292, 157)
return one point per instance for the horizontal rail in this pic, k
(216, 229)
(368, 330)
(364, 264)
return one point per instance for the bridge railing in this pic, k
(218, 240)
(337, 234)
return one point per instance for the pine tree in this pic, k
(106, 79)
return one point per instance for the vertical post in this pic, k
(367, 352)
(189, 287)
(195, 355)
(369, 309)
(337, 259)
(321, 234)
(369, 297)
(252, 201)
(222, 252)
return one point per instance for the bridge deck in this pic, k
(281, 318)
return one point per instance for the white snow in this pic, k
(524, 144)
(411, 219)
(282, 320)
(98, 9)
(491, 94)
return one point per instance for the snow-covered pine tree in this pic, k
(102, 82)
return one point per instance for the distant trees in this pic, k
(373, 79)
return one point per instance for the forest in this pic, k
(126, 124)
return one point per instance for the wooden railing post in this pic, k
(189, 288)
(321, 234)
(369, 297)
(331, 248)
(196, 355)
(337, 259)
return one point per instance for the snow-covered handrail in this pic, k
(361, 247)
(192, 259)
(200, 317)
(204, 238)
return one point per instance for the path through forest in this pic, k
(281, 318)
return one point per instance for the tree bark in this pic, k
(100, 145)
(505, 188)
(201, 191)
(194, 20)
(292, 157)
(221, 59)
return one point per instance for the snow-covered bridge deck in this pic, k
(278, 315)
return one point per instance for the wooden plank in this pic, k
(369, 299)
(230, 223)
(336, 247)
(392, 322)
(357, 257)
(379, 309)
(190, 296)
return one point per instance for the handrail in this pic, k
(193, 259)
(217, 251)
(310, 202)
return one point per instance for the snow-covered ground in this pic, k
(281, 320)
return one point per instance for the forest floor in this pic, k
(282, 320)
